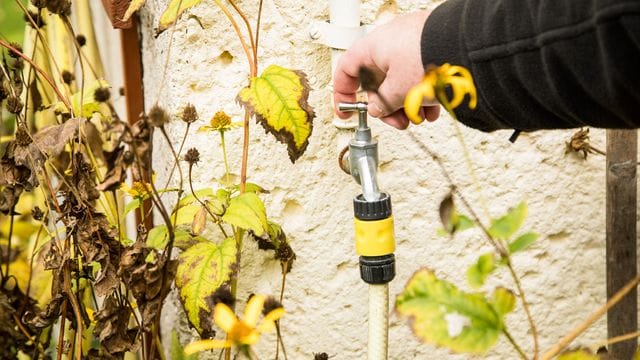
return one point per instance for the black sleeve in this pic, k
(542, 64)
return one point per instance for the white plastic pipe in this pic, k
(378, 321)
(343, 13)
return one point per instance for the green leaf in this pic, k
(131, 205)
(578, 355)
(503, 301)
(201, 270)
(247, 211)
(522, 242)
(443, 315)
(452, 220)
(177, 350)
(89, 104)
(278, 97)
(173, 12)
(478, 272)
(158, 238)
(505, 226)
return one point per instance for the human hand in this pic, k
(387, 63)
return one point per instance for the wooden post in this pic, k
(621, 236)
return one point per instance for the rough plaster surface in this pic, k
(326, 303)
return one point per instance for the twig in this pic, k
(615, 340)
(567, 339)
(525, 306)
(62, 98)
(61, 335)
(10, 235)
(515, 345)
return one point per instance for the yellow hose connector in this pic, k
(375, 237)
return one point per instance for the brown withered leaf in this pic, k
(112, 328)
(276, 239)
(98, 242)
(145, 279)
(140, 142)
(12, 303)
(84, 180)
(117, 170)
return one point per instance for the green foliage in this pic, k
(478, 272)
(506, 226)
(247, 211)
(203, 268)
(278, 97)
(452, 220)
(443, 315)
(522, 242)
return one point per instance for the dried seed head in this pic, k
(81, 39)
(14, 104)
(121, 91)
(67, 77)
(223, 295)
(270, 304)
(320, 356)
(189, 114)
(17, 47)
(192, 156)
(22, 137)
(37, 213)
(158, 116)
(39, 3)
(220, 120)
(60, 7)
(37, 19)
(101, 94)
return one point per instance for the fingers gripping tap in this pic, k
(362, 161)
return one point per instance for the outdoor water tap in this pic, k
(363, 153)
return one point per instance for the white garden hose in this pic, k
(378, 321)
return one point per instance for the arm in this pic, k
(537, 64)
(542, 64)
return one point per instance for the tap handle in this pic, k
(360, 107)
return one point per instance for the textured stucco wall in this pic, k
(563, 273)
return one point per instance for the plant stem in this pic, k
(525, 306)
(615, 340)
(253, 43)
(515, 345)
(243, 42)
(224, 157)
(61, 330)
(10, 235)
(567, 339)
(62, 98)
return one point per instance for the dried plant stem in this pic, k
(61, 330)
(7, 256)
(615, 340)
(62, 98)
(567, 339)
(254, 47)
(243, 41)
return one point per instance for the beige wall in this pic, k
(325, 300)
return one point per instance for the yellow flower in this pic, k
(239, 332)
(139, 189)
(433, 86)
(220, 122)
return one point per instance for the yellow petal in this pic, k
(250, 338)
(224, 317)
(413, 100)
(460, 87)
(268, 323)
(253, 309)
(202, 345)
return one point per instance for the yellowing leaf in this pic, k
(247, 211)
(478, 272)
(84, 103)
(173, 12)
(134, 6)
(201, 270)
(503, 301)
(443, 315)
(505, 226)
(278, 97)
